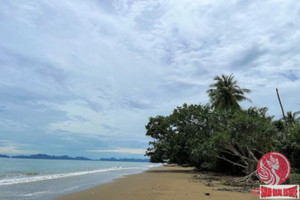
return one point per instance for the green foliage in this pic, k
(280, 125)
(289, 144)
(247, 127)
(158, 129)
(222, 136)
(291, 118)
(203, 137)
(180, 137)
(294, 178)
(246, 137)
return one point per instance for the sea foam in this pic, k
(19, 180)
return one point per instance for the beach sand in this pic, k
(161, 183)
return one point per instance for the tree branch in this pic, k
(237, 164)
(231, 148)
(250, 152)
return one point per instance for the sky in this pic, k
(82, 77)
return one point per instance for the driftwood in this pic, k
(237, 184)
(245, 179)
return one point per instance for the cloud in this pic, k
(119, 150)
(11, 148)
(9, 124)
(75, 70)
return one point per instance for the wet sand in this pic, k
(161, 183)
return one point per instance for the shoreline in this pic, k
(54, 178)
(161, 183)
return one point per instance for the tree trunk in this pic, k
(280, 105)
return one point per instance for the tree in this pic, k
(248, 135)
(199, 136)
(225, 93)
(292, 146)
(181, 137)
(289, 142)
(291, 118)
(158, 129)
(222, 136)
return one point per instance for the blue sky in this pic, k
(82, 77)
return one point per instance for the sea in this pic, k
(32, 179)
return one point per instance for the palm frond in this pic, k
(225, 93)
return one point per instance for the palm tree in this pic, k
(291, 118)
(226, 94)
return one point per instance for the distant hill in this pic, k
(125, 159)
(66, 157)
(45, 156)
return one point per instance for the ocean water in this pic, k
(32, 179)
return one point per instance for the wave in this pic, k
(28, 179)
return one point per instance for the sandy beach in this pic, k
(161, 183)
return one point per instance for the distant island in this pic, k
(66, 157)
(45, 156)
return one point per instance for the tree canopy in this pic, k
(229, 140)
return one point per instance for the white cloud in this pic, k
(88, 123)
(119, 150)
(14, 150)
(103, 67)
(11, 148)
